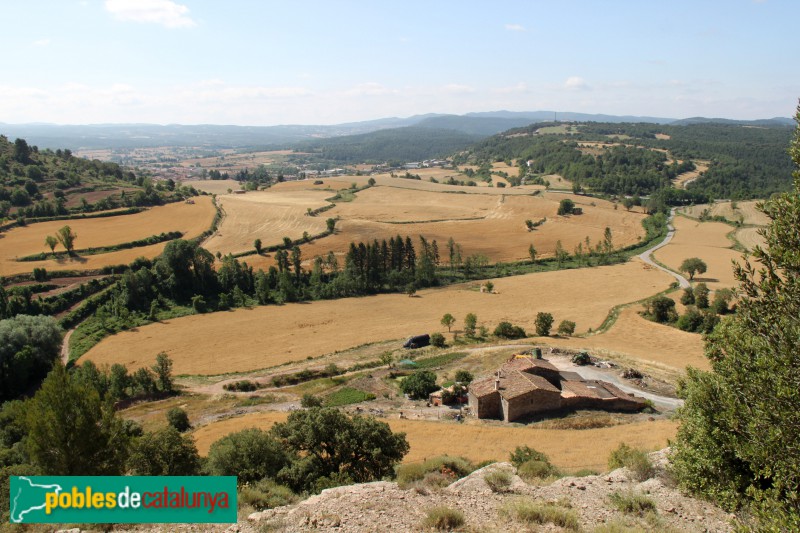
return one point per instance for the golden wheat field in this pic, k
(214, 186)
(268, 216)
(501, 233)
(231, 161)
(644, 340)
(262, 337)
(570, 449)
(706, 240)
(686, 177)
(191, 219)
(745, 212)
(750, 238)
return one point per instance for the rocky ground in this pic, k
(383, 506)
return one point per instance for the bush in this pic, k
(691, 320)
(437, 340)
(464, 377)
(164, 453)
(660, 309)
(541, 513)
(177, 418)
(506, 330)
(266, 494)
(632, 503)
(498, 480)
(566, 206)
(244, 385)
(250, 454)
(567, 327)
(534, 469)
(443, 518)
(634, 460)
(451, 468)
(523, 454)
(687, 298)
(309, 400)
(419, 384)
(582, 359)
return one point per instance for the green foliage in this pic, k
(701, 296)
(634, 460)
(632, 502)
(470, 323)
(523, 454)
(565, 206)
(347, 396)
(537, 469)
(722, 300)
(566, 327)
(439, 360)
(265, 494)
(163, 372)
(582, 359)
(544, 321)
(443, 518)
(450, 468)
(250, 454)
(506, 330)
(328, 445)
(537, 512)
(178, 419)
(738, 443)
(70, 431)
(448, 320)
(692, 266)
(437, 340)
(164, 453)
(687, 298)
(660, 309)
(498, 480)
(28, 347)
(419, 384)
(244, 385)
(309, 400)
(464, 377)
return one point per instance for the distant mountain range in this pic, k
(483, 124)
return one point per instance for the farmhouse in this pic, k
(528, 385)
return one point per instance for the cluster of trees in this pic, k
(29, 345)
(738, 443)
(700, 316)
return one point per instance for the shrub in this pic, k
(450, 467)
(541, 513)
(177, 418)
(566, 206)
(506, 330)
(309, 400)
(266, 494)
(567, 327)
(523, 454)
(687, 298)
(632, 503)
(582, 359)
(250, 454)
(443, 518)
(691, 320)
(498, 480)
(437, 340)
(660, 309)
(701, 296)
(244, 385)
(634, 460)
(464, 377)
(533, 469)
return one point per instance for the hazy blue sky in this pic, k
(300, 62)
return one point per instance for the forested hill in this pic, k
(744, 161)
(38, 183)
(399, 144)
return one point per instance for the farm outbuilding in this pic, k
(526, 385)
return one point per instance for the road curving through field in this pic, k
(646, 256)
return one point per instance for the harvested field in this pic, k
(191, 219)
(750, 238)
(647, 341)
(478, 441)
(218, 343)
(232, 161)
(683, 179)
(706, 240)
(501, 234)
(745, 212)
(214, 186)
(266, 215)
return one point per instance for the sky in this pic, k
(269, 62)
